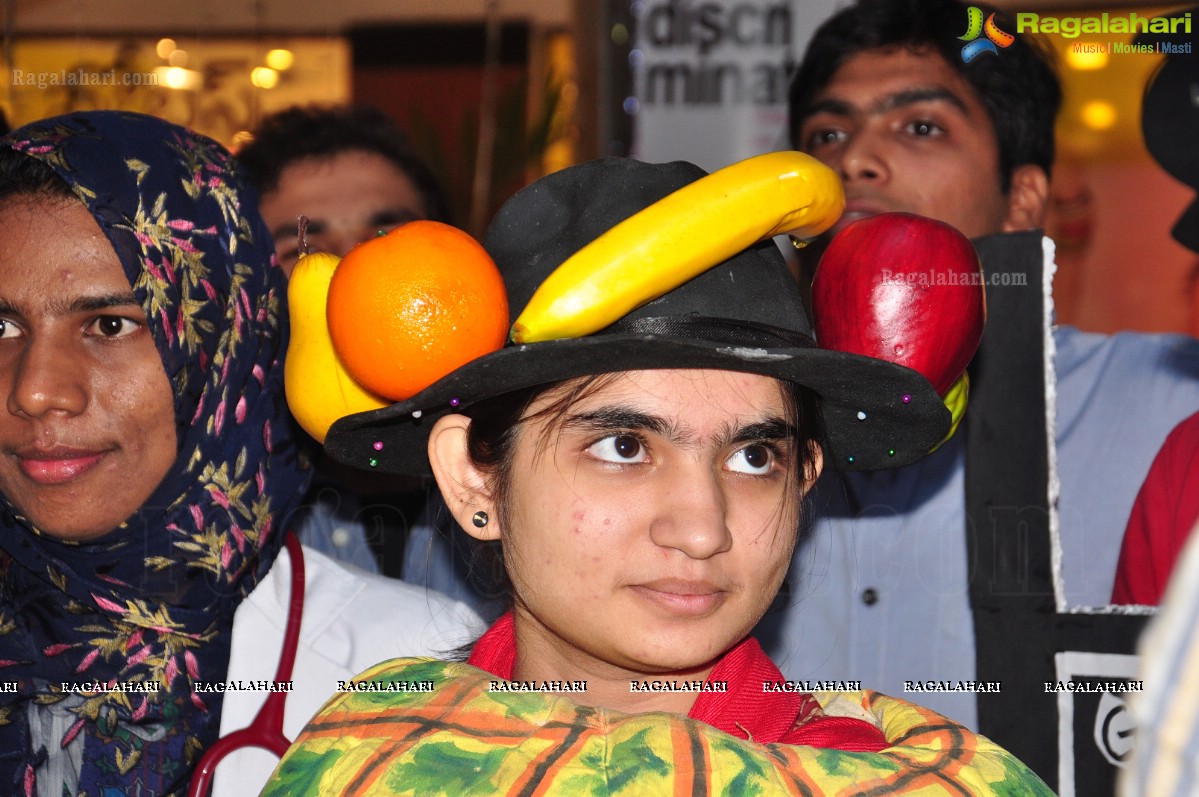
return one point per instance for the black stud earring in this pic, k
(480, 519)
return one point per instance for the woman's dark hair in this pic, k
(21, 175)
(495, 428)
(1018, 86)
(302, 132)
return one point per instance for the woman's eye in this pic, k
(113, 326)
(753, 460)
(622, 449)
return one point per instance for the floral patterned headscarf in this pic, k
(150, 605)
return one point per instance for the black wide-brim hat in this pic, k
(744, 314)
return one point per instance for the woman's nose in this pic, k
(47, 378)
(692, 515)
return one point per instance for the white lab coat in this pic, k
(352, 620)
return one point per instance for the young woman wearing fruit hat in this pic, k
(148, 473)
(643, 474)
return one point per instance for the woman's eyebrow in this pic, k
(104, 301)
(769, 429)
(617, 419)
(77, 304)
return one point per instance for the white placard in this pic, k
(710, 78)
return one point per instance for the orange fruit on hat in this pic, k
(407, 308)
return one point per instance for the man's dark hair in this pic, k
(301, 132)
(1018, 85)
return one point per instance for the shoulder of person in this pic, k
(1172, 356)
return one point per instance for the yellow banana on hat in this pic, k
(679, 237)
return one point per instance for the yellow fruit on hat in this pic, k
(319, 389)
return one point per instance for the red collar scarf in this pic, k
(744, 711)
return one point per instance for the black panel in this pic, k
(435, 45)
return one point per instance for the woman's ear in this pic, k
(813, 472)
(462, 485)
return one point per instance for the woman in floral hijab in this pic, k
(113, 605)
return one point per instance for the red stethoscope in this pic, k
(266, 729)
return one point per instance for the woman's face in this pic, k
(87, 430)
(649, 528)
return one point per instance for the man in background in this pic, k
(351, 171)
(881, 585)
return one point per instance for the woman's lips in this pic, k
(688, 598)
(58, 466)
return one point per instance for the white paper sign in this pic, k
(711, 78)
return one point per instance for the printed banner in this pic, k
(710, 78)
